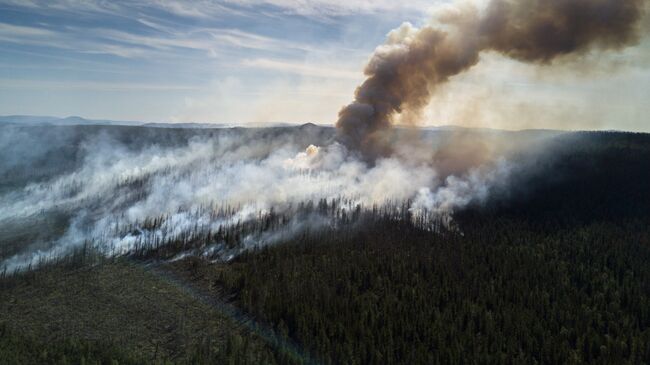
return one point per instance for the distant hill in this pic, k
(185, 125)
(72, 120)
(29, 120)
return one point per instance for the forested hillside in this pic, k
(551, 268)
(554, 271)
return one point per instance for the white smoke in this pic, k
(458, 192)
(116, 190)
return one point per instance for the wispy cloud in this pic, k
(90, 86)
(70, 6)
(289, 64)
(162, 43)
(67, 40)
(143, 29)
(212, 8)
(321, 71)
(321, 8)
(18, 33)
(195, 8)
(238, 38)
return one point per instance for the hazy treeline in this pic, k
(503, 292)
(550, 266)
(555, 271)
(121, 188)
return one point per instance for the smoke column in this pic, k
(403, 73)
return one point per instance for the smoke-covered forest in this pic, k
(375, 238)
(280, 246)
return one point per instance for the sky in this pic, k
(279, 61)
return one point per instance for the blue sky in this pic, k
(254, 61)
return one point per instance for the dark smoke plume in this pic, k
(404, 72)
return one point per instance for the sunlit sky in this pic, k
(294, 61)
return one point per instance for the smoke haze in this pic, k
(200, 184)
(139, 186)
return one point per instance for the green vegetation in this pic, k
(554, 273)
(553, 269)
(502, 292)
(116, 312)
(19, 349)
